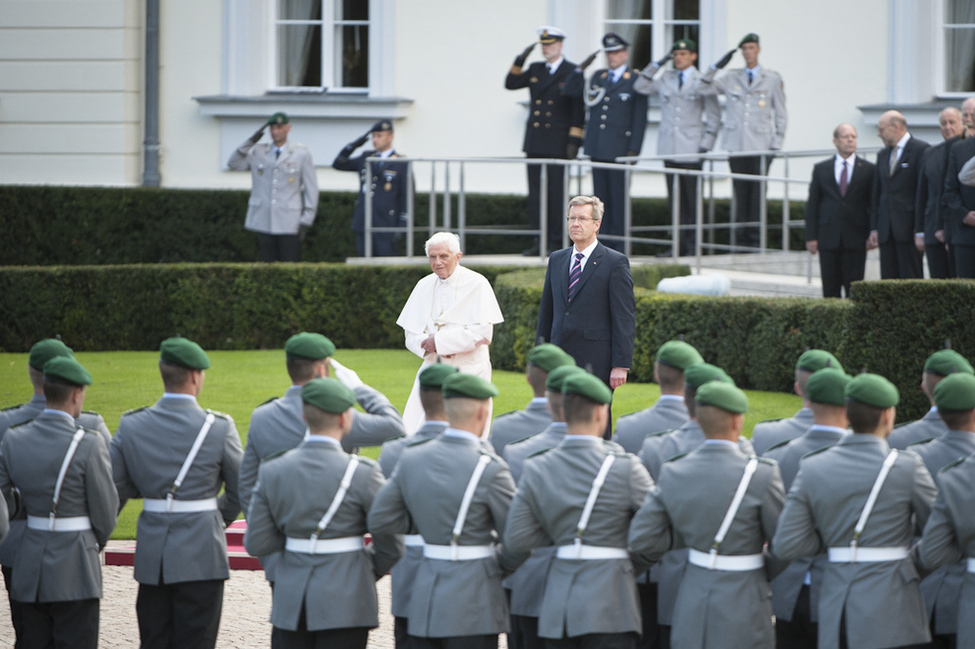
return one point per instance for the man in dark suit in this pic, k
(554, 129)
(931, 234)
(838, 214)
(617, 123)
(960, 208)
(588, 308)
(895, 191)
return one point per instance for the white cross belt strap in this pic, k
(413, 540)
(729, 516)
(170, 506)
(727, 562)
(324, 546)
(313, 541)
(577, 551)
(597, 485)
(188, 462)
(971, 562)
(66, 524)
(65, 463)
(458, 552)
(866, 555)
(868, 507)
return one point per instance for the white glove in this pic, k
(348, 377)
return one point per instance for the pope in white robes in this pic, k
(450, 317)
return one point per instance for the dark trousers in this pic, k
(59, 625)
(900, 260)
(800, 632)
(748, 197)
(610, 186)
(939, 261)
(687, 186)
(524, 633)
(180, 616)
(279, 247)
(401, 627)
(556, 209)
(648, 612)
(346, 638)
(16, 615)
(595, 641)
(840, 267)
(383, 244)
(663, 636)
(964, 261)
(489, 641)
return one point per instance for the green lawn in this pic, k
(238, 381)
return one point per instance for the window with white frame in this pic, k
(321, 44)
(958, 32)
(652, 26)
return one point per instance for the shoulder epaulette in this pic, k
(222, 415)
(368, 461)
(274, 455)
(134, 410)
(393, 439)
(505, 414)
(659, 433)
(537, 453)
(23, 423)
(765, 460)
(816, 452)
(952, 464)
(90, 412)
(264, 403)
(523, 439)
(19, 405)
(488, 450)
(636, 71)
(413, 443)
(90, 431)
(778, 445)
(926, 440)
(902, 424)
(676, 457)
(771, 421)
(614, 447)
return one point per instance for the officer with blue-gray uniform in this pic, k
(178, 457)
(616, 125)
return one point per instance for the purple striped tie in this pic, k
(574, 276)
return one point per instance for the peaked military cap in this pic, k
(469, 386)
(278, 118)
(433, 376)
(814, 360)
(548, 35)
(750, 37)
(873, 390)
(586, 385)
(67, 369)
(548, 356)
(309, 345)
(725, 396)
(955, 392)
(684, 44)
(557, 376)
(45, 350)
(947, 361)
(698, 375)
(184, 352)
(678, 354)
(381, 126)
(828, 385)
(328, 394)
(613, 42)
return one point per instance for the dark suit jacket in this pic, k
(894, 195)
(929, 212)
(837, 221)
(598, 326)
(959, 199)
(554, 119)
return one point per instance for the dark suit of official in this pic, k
(388, 185)
(840, 223)
(555, 120)
(929, 212)
(893, 211)
(598, 326)
(959, 201)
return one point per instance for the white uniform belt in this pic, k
(66, 524)
(413, 540)
(971, 565)
(866, 555)
(590, 552)
(727, 562)
(324, 546)
(159, 505)
(458, 552)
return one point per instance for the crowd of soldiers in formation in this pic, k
(678, 532)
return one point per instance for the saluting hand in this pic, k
(725, 59)
(258, 134)
(348, 377)
(362, 140)
(589, 59)
(520, 61)
(662, 62)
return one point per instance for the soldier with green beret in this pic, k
(669, 411)
(938, 365)
(535, 417)
(66, 509)
(324, 557)
(870, 594)
(184, 462)
(767, 434)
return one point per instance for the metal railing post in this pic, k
(433, 199)
(675, 218)
(368, 210)
(785, 207)
(698, 220)
(565, 201)
(762, 208)
(446, 197)
(543, 211)
(627, 213)
(711, 202)
(410, 216)
(461, 210)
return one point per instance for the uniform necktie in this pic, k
(574, 276)
(893, 160)
(277, 153)
(844, 180)
(680, 80)
(751, 77)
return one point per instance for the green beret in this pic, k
(184, 352)
(548, 356)
(330, 395)
(955, 392)
(749, 38)
(828, 385)
(278, 118)
(45, 350)
(873, 390)
(309, 345)
(469, 386)
(588, 386)
(725, 396)
(684, 44)
(557, 376)
(814, 360)
(678, 354)
(433, 376)
(67, 369)
(947, 361)
(698, 375)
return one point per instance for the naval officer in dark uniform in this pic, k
(616, 125)
(554, 129)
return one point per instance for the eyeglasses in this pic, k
(579, 219)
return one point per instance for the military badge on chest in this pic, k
(389, 176)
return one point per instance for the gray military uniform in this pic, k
(714, 608)
(581, 596)
(450, 598)
(293, 492)
(667, 414)
(755, 116)
(767, 434)
(880, 601)
(58, 566)
(689, 120)
(513, 426)
(148, 451)
(929, 426)
(393, 448)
